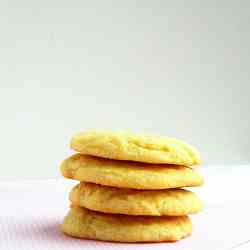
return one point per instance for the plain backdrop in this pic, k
(176, 68)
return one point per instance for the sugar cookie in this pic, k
(83, 223)
(125, 174)
(135, 147)
(171, 202)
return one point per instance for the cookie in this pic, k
(83, 223)
(134, 147)
(171, 202)
(125, 174)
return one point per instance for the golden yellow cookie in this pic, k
(87, 224)
(125, 174)
(127, 146)
(171, 202)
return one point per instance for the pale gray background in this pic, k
(179, 68)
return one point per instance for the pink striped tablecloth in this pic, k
(32, 210)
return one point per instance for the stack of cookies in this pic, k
(130, 187)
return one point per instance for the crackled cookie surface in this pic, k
(124, 145)
(125, 174)
(171, 202)
(83, 223)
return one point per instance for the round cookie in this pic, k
(133, 147)
(171, 202)
(125, 174)
(83, 223)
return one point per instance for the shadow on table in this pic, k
(47, 233)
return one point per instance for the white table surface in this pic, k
(32, 210)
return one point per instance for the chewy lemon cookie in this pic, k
(171, 202)
(128, 146)
(83, 223)
(125, 174)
